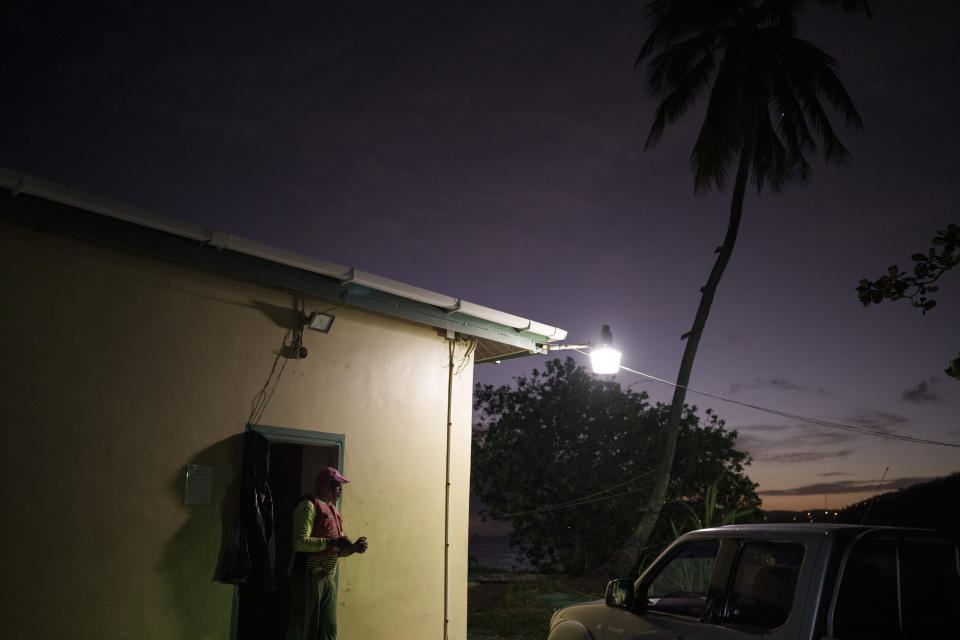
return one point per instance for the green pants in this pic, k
(313, 608)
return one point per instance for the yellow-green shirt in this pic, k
(303, 542)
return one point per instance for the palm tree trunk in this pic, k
(623, 560)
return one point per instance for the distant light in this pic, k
(603, 357)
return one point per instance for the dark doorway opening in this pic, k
(262, 615)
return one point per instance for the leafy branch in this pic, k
(927, 269)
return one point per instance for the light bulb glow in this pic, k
(605, 360)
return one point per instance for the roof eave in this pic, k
(45, 205)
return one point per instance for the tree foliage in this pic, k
(928, 268)
(570, 460)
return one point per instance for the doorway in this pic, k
(295, 458)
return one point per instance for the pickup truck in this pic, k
(778, 581)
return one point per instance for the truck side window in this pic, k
(893, 589)
(929, 589)
(680, 587)
(867, 603)
(763, 585)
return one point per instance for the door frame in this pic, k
(289, 436)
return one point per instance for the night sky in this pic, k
(493, 152)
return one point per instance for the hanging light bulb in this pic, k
(603, 357)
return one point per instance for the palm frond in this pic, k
(772, 159)
(670, 66)
(675, 105)
(836, 94)
(810, 72)
(769, 86)
(791, 122)
(783, 14)
(819, 69)
(677, 20)
(833, 149)
(849, 6)
(721, 135)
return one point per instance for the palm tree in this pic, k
(765, 114)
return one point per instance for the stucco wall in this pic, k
(122, 370)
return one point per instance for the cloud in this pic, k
(846, 486)
(922, 393)
(765, 427)
(796, 443)
(806, 456)
(876, 420)
(774, 382)
(835, 473)
(805, 444)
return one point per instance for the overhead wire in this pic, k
(587, 499)
(567, 506)
(794, 416)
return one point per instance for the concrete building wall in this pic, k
(121, 370)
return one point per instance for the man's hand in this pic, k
(360, 545)
(343, 543)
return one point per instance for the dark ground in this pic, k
(521, 610)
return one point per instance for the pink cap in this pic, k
(331, 474)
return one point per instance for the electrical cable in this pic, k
(471, 347)
(568, 505)
(262, 399)
(794, 416)
(587, 498)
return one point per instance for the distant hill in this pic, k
(929, 505)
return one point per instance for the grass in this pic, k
(522, 610)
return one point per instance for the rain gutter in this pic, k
(20, 183)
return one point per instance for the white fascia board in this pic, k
(223, 240)
(23, 183)
(401, 289)
(522, 325)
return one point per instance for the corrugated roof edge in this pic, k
(22, 183)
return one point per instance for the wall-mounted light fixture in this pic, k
(316, 321)
(604, 358)
(320, 321)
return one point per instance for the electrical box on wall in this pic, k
(198, 487)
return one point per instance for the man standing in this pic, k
(318, 542)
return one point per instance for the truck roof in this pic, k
(801, 530)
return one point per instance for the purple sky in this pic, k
(494, 152)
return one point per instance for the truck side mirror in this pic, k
(620, 594)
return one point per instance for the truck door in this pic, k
(676, 596)
(898, 585)
(761, 597)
